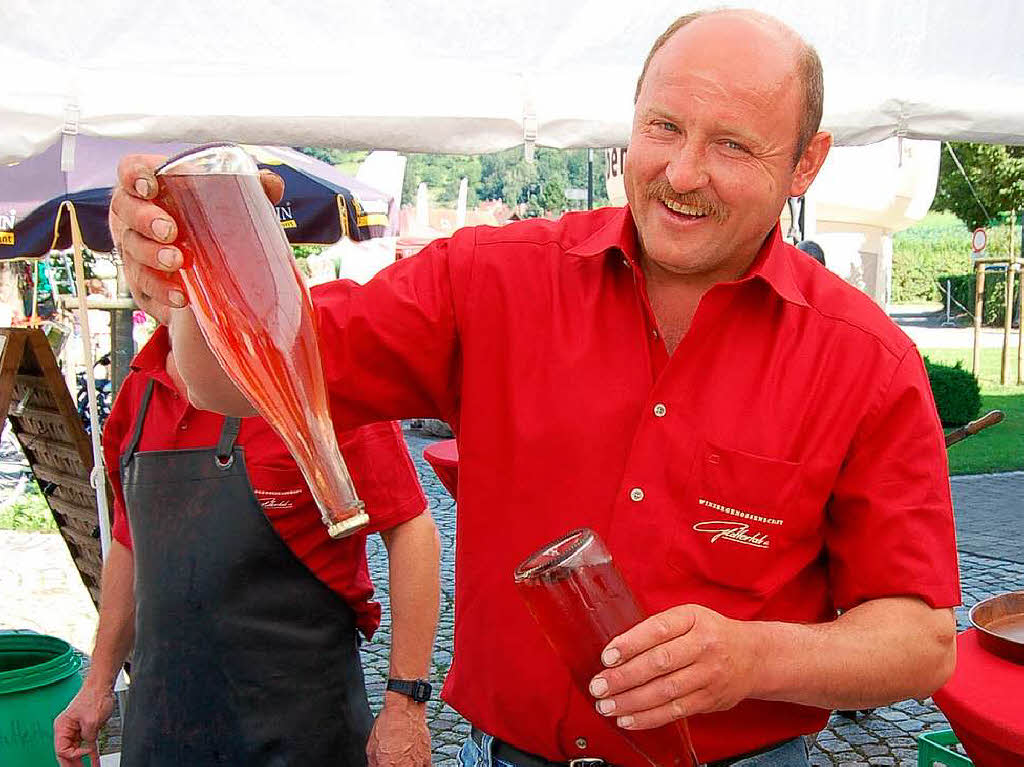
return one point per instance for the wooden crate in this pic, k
(45, 421)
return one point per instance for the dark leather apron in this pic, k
(242, 656)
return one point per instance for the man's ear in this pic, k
(810, 162)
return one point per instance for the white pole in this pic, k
(97, 479)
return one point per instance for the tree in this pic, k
(345, 160)
(997, 175)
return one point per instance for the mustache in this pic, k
(661, 190)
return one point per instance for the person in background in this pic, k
(812, 249)
(753, 438)
(242, 616)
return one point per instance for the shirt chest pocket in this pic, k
(742, 525)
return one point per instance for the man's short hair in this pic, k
(808, 70)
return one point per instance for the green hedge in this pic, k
(938, 245)
(956, 391)
(994, 310)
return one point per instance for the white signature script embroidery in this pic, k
(733, 531)
(275, 503)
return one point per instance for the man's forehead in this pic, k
(739, 49)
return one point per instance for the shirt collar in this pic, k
(151, 361)
(772, 263)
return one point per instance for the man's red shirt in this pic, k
(785, 462)
(375, 455)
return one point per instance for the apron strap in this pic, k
(226, 443)
(140, 419)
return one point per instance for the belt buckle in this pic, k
(588, 761)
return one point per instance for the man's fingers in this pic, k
(656, 630)
(135, 174)
(696, 702)
(149, 285)
(147, 219)
(155, 255)
(655, 671)
(273, 185)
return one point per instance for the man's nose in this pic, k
(687, 170)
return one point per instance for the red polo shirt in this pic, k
(785, 461)
(375, 455)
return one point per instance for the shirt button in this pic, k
(183, 426)
(625, 262)
(660, 410)
(654, 333)
(581, 743)
(636, 494)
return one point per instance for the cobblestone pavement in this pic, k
(39, 589)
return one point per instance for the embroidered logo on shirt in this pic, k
(737, 513)
(737, 532)
(272, 499)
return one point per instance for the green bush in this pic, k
(956, 391)
(28, 512)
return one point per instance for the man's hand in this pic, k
(145, 233)
(75, 730)
(684, 661)
(400, 737)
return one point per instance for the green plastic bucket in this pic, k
(38, 678)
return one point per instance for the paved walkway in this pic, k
(39, 589)
(924, 324)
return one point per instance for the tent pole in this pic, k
(97, 479)
(33, 321)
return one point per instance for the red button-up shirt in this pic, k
(375, 455)
(785, 462)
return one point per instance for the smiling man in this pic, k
(753, 438)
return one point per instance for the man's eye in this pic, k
(667, 126)
(734, 146)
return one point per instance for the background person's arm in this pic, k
(76, 728)
(400, 737)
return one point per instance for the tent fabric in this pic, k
(466, 76)
(321, 205)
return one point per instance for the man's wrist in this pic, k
(395, 700)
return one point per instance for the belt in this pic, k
(506, 752)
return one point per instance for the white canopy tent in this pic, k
(460, 76)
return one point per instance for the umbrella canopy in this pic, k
(321, 205)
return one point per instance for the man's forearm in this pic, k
(115, 630)
(413, 565)
(207, 385)
(878, 652)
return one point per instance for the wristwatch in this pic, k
(417, 689)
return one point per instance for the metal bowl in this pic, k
(1000, 624)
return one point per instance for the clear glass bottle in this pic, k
(254, 310)
(581, 601)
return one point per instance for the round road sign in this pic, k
(979, 239)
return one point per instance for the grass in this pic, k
(28, 513)
(1000, 447)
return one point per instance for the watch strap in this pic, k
(417, 689)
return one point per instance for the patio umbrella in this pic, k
(321, 204)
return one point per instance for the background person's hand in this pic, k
(145, 234)
(400, 737)
(683, 661)
(76, 728)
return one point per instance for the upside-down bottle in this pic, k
(581, 601)
(254, 310)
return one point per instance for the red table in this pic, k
(443, 457)
(984, 702)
